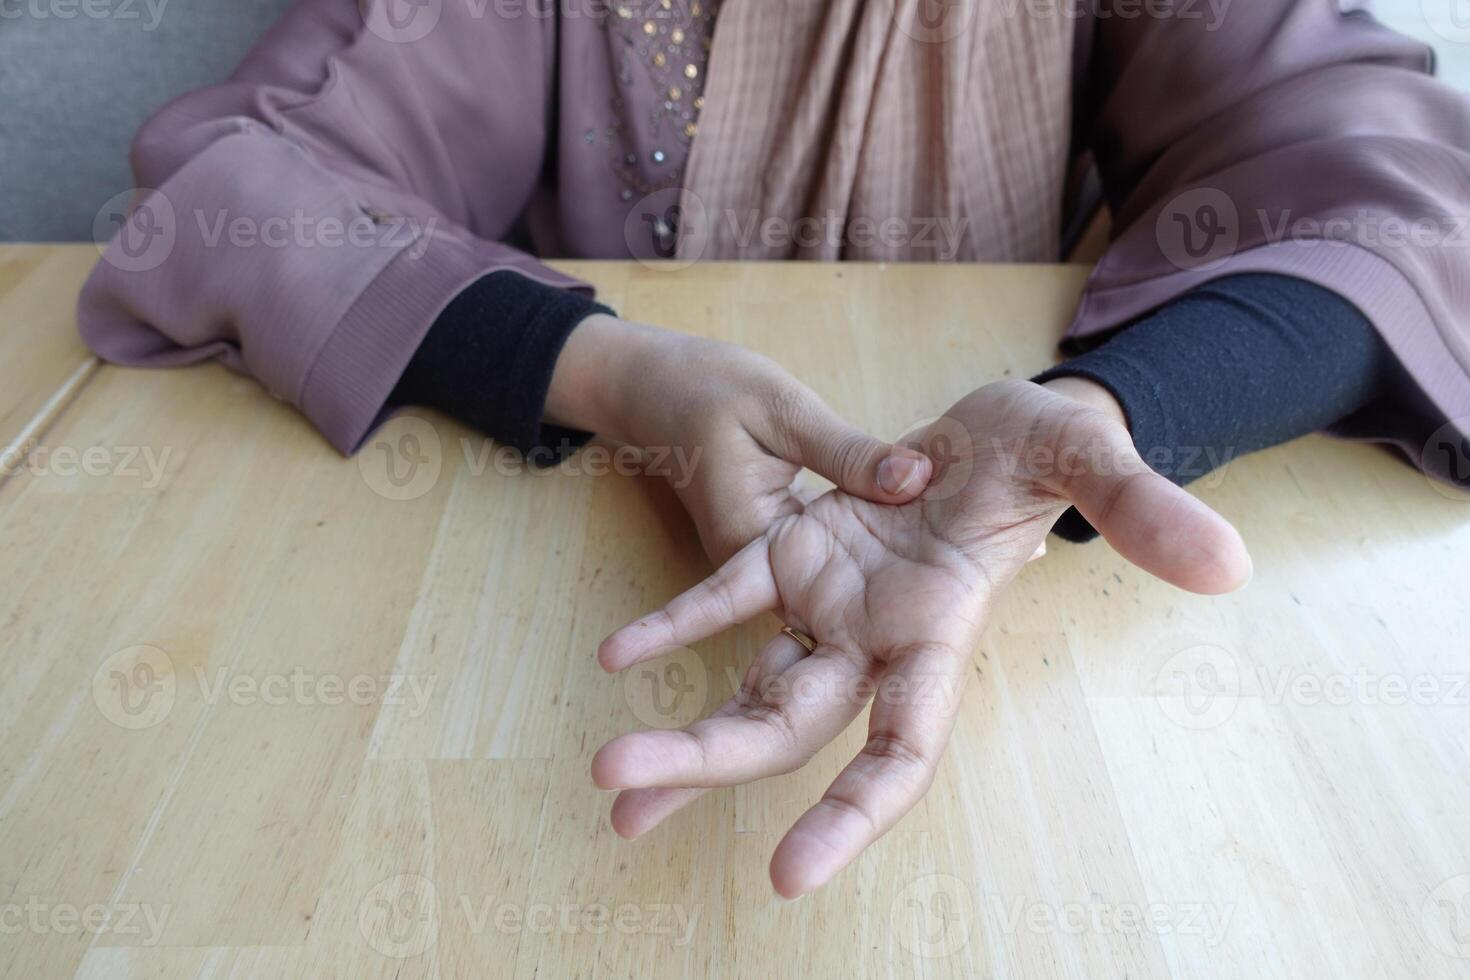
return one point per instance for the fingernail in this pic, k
(897, 473)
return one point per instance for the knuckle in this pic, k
(790, 409)
(851, 808)
(848, 455)
(698, 748)
(780, 722)
(1109, 503)
(715, 600)
(899, 751)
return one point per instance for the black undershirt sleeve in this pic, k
(1236, 365)
(488, 359)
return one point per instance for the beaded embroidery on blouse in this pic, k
(664, 44)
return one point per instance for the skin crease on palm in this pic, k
(897, 596)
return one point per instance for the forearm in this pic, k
(1235, 366)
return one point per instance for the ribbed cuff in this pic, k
(345, 393)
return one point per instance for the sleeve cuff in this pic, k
(489, 358)
(346, 392)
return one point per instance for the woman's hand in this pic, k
(742, 426)
(897, 598)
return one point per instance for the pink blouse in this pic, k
(307, 220)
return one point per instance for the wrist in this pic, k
(594, 376)
(1089, 393)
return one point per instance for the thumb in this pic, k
(818, 438)
(1157, 525)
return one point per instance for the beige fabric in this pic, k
(924, 130)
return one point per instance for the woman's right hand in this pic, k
(743, 425)
(896, 599)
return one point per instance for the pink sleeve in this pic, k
(1294, 137)
(308, 220)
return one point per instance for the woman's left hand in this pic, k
(896, 598)
(733, 429)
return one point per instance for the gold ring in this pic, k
(800, 637)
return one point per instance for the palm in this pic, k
(897, 597)
(872, 581)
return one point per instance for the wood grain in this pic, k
(42, 361)
(279, 713)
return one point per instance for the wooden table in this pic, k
(268, 711)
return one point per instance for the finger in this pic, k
(1155, 524)
(741, 589)
(909, 728)
(637, 811)
(819, 697)
(1165, 531)
(809, 433)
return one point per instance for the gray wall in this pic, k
(1445, 24)
(78, 77)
